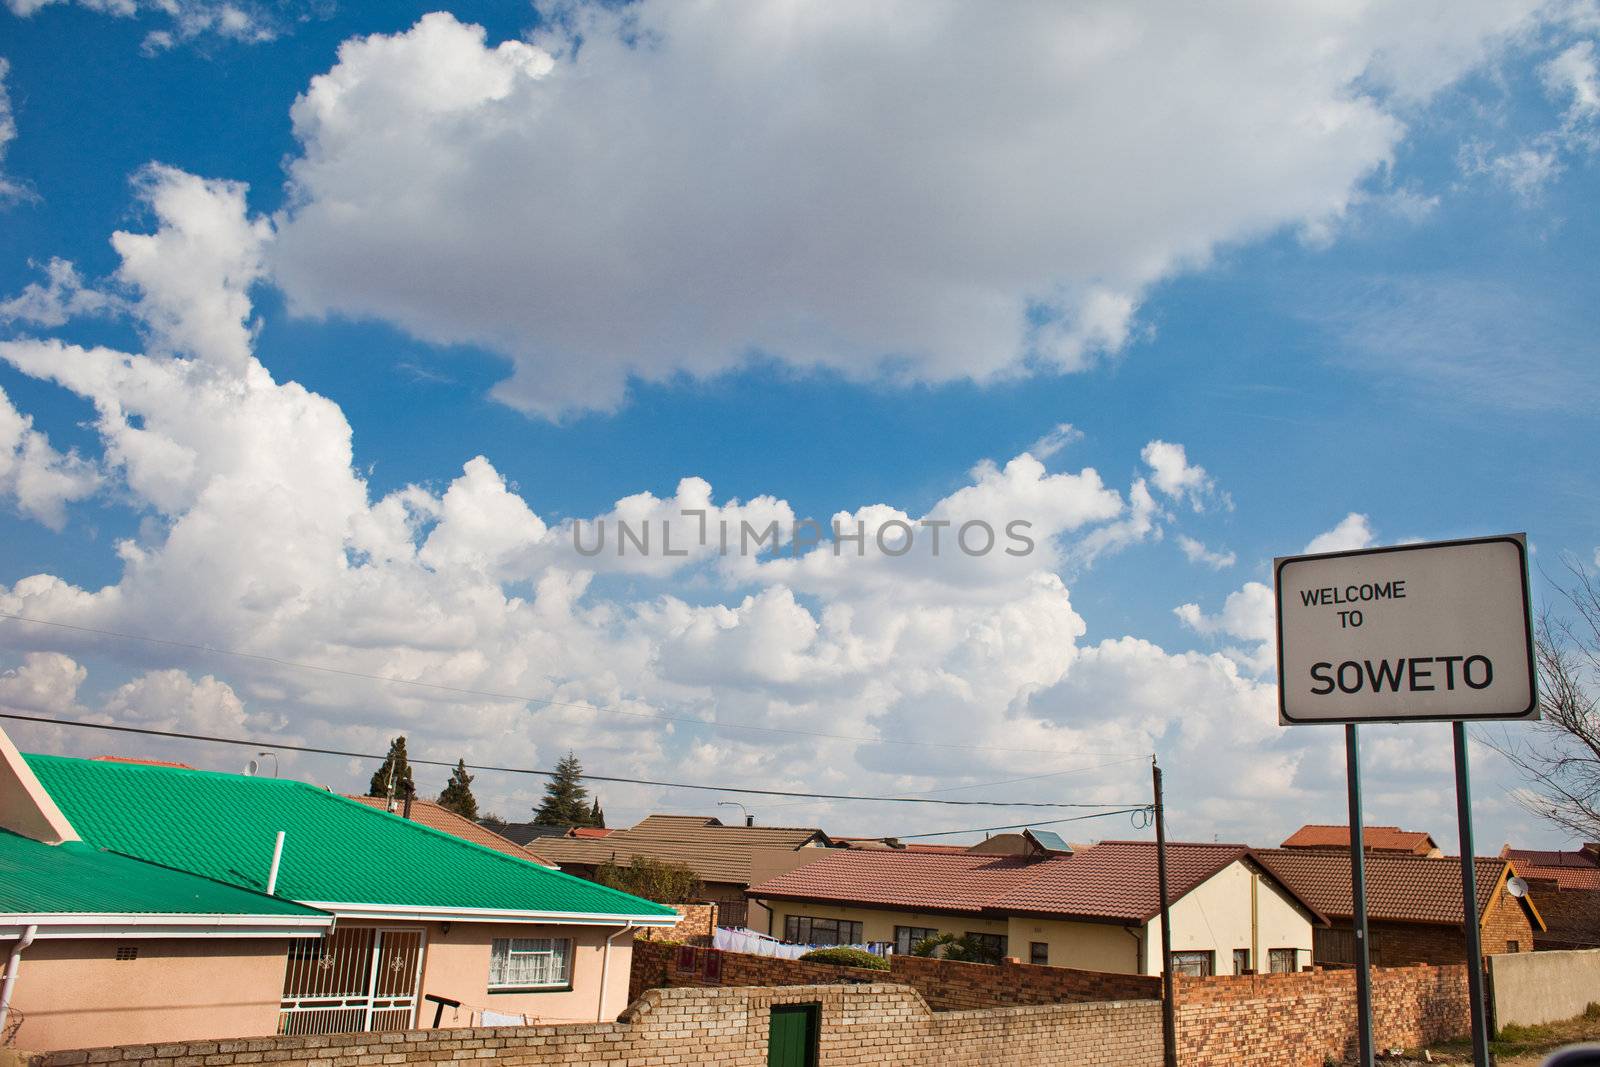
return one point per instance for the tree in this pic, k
(395, 769)
(457, 795)
(658, 880)
(961, 949)
(597, 818)
(565, 798)
(1560, 754)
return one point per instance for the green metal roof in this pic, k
(336, 851)
(78, 879)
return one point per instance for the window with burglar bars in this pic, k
(1283, 960)
(907, 937)
(1195, 964)
(993, 946)
(530, 963)
(804, 930)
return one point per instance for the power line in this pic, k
(259, 743)
(1004, 781)
(1023, 825)
(683, 720)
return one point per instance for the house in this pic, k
(446, 821)
(720, 855)
(1414, 909)
(522, 833)
(1373, 839)
(1095, 908)
(430, 929)
(1567, 886)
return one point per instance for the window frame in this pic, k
(1035, 953)
(999, 944)
(1273, 955)
(801, 930)
(912, 936)
(1238, 954)
(563, 985)
(1207, 956)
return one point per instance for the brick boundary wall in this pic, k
(1296, 1020)
(874, 1024)
(944, 984)
(695, 925)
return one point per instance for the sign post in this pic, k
(1412, 633)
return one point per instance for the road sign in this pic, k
(1415, 632)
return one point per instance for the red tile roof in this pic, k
(1568, 870)
(443, 819)
(1400, 888)
(1113, 881)
(143, 762)
(589, 831)
(1376, 838)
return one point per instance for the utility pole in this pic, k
(1358, 898)
(1169, 1020)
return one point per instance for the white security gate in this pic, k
(358, 978)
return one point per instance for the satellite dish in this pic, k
(251, 768)
(1517, 887)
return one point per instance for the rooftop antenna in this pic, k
(274, 756)
(1517, 887)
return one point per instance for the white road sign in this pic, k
(1429, 631)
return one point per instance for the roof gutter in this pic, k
(12, 963)
(424, 913)
(58, 925)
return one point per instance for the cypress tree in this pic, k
(565, 798)
(394, 762)
(457, 795)
(597, 817)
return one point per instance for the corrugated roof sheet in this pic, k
(1377, 838)
(715, 852)
(1399, 888)
(446, 821)
(78, 879)
(1115, 880)
(222, 826)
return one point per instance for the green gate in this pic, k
(792, 1035)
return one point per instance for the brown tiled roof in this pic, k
(1568, 870)
(1113, 881)
(1399, 888)
(1376, 838)
(1118, 880)
(897, 878)
(1572, 919)
(446, 821)
(590, 831)
(715, 852)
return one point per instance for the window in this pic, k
(906, 937)
(1513, 946)
(993, 946)
(1195, 964)
(1039, 952)
(1241, 960)
(530, 963)
(127, 952)
(1283, 960)
(804, 930)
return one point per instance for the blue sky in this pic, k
(621, 254)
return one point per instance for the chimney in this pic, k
(406, 812)
(749, 820)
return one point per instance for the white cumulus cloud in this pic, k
(906, 190)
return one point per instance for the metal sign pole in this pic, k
(1169, 1007)
(1469, 900)
(1358, 898)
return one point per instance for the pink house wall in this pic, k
(76, 993)
(456, 966)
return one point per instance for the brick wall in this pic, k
(875, 1024)
(1295, 1020)
(1504, 922)
(945, 985)
(694, 928)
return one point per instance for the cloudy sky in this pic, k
(324, 327)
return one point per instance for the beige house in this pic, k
(1094, 908)
(426, 928)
